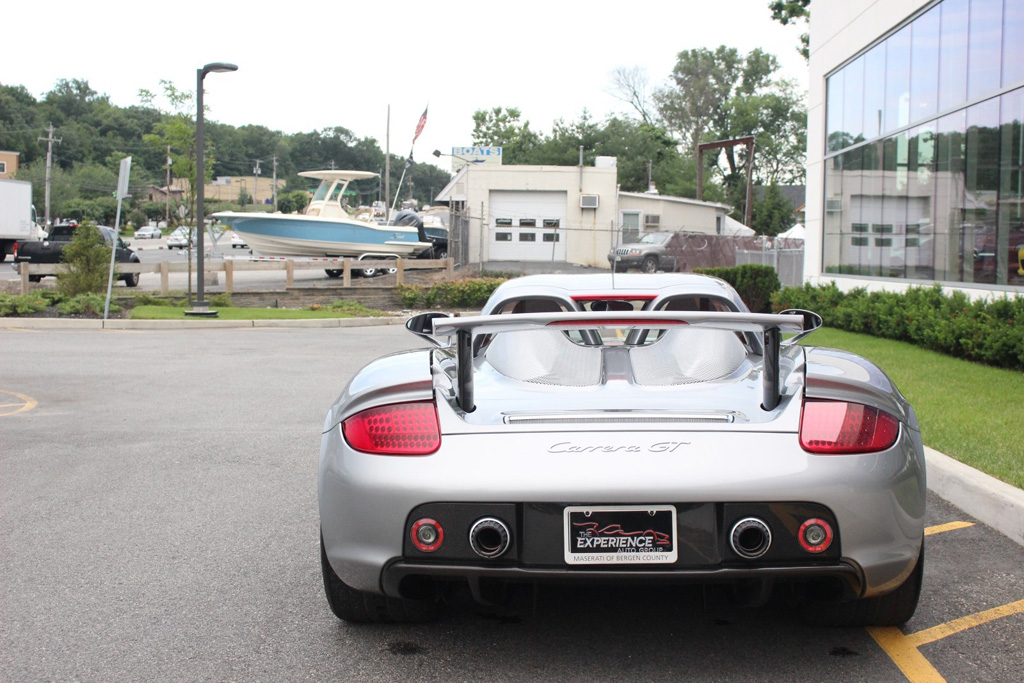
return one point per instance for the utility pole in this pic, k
(255, 180)
(275, 182)
(49, 165)
(167, 188)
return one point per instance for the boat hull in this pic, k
(294, 235)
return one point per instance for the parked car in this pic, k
(181, 238)
(653, 252)
(621, 429)
(148, 232)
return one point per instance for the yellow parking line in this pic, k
(20, 329)
(930, 635)
(939, 528)
(903, 649)
(910, 661)
(24, 403)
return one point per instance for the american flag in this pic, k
(419, 126)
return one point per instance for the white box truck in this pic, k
(17, 216)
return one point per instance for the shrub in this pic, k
(22, 304)
(86, 304)
(86, 262)
(990, 332)
(754, 283)
(469, 293)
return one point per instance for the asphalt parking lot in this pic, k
(158, 521)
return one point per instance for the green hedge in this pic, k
(989, 332)
(470, 293)
(754, 283)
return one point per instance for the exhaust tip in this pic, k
(489, 537)
(750, 538)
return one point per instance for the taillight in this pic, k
(834, 427)
(395, 429)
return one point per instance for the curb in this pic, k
(990, 500)
(188, 324)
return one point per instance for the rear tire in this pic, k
(333, 273)
(650, 265)
(360, 607)
(891, 609)
(131, 280)
(35, 278)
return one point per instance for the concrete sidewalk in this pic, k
(985, 498)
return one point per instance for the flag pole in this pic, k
(408, 162)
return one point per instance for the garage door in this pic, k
(527, 226)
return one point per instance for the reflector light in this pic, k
(427, 535)
(396, 429)
(838, 427)
(815, 535)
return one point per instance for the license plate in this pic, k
(632, 534)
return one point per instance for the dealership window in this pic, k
(502, 237)
(527, 222)
(912, 195)
(551, 237)
(551, 222)
(503, 222)
(527, 237)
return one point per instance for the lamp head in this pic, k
(218, 67)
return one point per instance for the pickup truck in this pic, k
(49, 250)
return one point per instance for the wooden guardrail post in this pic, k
(165, 278)
(289, 269)
(400, 273)
(450, 267)
(346, 272)
(229, 276)
(24, 277)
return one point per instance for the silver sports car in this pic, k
(622, 428)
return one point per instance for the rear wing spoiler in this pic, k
(437, 326)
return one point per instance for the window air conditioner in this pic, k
(652, 220)
(589, 201)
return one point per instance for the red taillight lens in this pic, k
(834, 427)
(396, 429)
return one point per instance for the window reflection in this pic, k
(943, 199)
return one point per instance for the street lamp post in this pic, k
(469, 162)
(201, 307)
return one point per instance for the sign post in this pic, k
(122, 192)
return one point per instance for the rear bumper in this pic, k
(878, 501)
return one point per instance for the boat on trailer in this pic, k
(326, 228)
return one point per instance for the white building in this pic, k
(562, 213)
(916, 145)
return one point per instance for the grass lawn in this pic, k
(232, 313)
(970, 412)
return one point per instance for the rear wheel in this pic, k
(333, 273)
(131, 280)
(650, 265)
(368, 272)
(35, 278)
(891, 609)
(360, 607)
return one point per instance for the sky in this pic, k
(317, 64)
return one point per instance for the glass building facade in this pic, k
(924, 160)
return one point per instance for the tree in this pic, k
(501, 127)
(718, 95)
(786, 11)
(629, 84)
(773, 213)
(86, 261)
